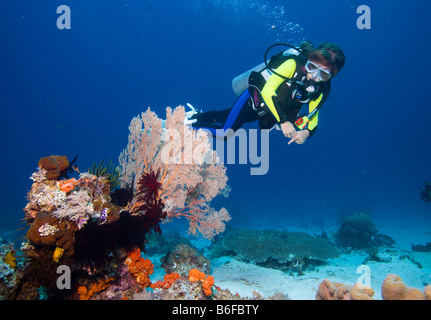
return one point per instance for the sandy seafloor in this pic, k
(242, 277)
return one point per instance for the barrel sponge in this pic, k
(53, 165)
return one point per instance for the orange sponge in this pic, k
(169, 280)
(141, 268)
(393, 288)
(85, 293)
(207, 281)
(67, 185)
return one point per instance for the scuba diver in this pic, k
(276, 92)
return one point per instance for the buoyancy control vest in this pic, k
(292, 93)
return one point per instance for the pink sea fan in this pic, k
(189, 172)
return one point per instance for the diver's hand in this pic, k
(301, 136)
(288, 129)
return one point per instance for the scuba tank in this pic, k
(240, 83)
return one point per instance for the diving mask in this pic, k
(314, 69)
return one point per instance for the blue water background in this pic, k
(75, 91)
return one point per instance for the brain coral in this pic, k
(259, 245)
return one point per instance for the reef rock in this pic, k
(183, 259)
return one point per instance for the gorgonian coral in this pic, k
(180, 169)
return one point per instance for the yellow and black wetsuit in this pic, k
(271, 99)
(280, 99)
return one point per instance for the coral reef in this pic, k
(177, 165)
(72, 221)
(277, 249)
(184, 258)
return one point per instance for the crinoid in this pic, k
(109, 171)
(148, 200)
(149, 187)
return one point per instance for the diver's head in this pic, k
(324, 62)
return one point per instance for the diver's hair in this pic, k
(327, 53)
(306, 47)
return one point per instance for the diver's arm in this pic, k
(288, 129)
(268, 92)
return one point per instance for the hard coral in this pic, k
(393, 288)
(356, 231)
(279, 248)
(141, 268)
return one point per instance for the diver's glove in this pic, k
(190, 114)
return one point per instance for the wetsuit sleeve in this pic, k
(268, 92)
